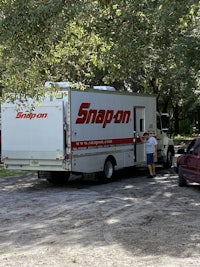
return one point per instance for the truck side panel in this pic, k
(102, 124)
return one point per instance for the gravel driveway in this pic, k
(134, 221)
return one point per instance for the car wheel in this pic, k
(181, 180)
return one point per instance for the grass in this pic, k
(6, 173)
(183, 137)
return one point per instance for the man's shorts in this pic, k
(150, 159)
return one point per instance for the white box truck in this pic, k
(74, 131)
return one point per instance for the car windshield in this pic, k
(194, 147)
(191, 146)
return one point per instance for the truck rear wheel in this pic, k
(59, 177)
(108, 172)
(55, 177)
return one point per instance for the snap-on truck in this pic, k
(73, 131)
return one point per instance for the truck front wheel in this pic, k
(169, 159)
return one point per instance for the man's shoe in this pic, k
(150, 176)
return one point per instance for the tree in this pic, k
(144, 46)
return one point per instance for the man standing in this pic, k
(151, 151)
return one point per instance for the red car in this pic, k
(188, 164)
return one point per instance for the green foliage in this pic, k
(28, 31)
(182, 137)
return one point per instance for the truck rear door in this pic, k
(33, 139)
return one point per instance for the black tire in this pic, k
(169, 159)
(108, 172)
(181, 180)
(58, 177)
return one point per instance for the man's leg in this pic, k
(149, 164)
(153, 169)
(150, 169)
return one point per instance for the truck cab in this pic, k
(166, 150)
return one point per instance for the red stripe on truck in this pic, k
(102, 142)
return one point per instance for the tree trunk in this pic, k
(176, 119)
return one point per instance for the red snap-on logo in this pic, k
(21, 115)
(86, 115)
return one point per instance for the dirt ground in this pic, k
(134, 221)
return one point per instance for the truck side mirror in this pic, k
(181, 151)
(165, 121)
